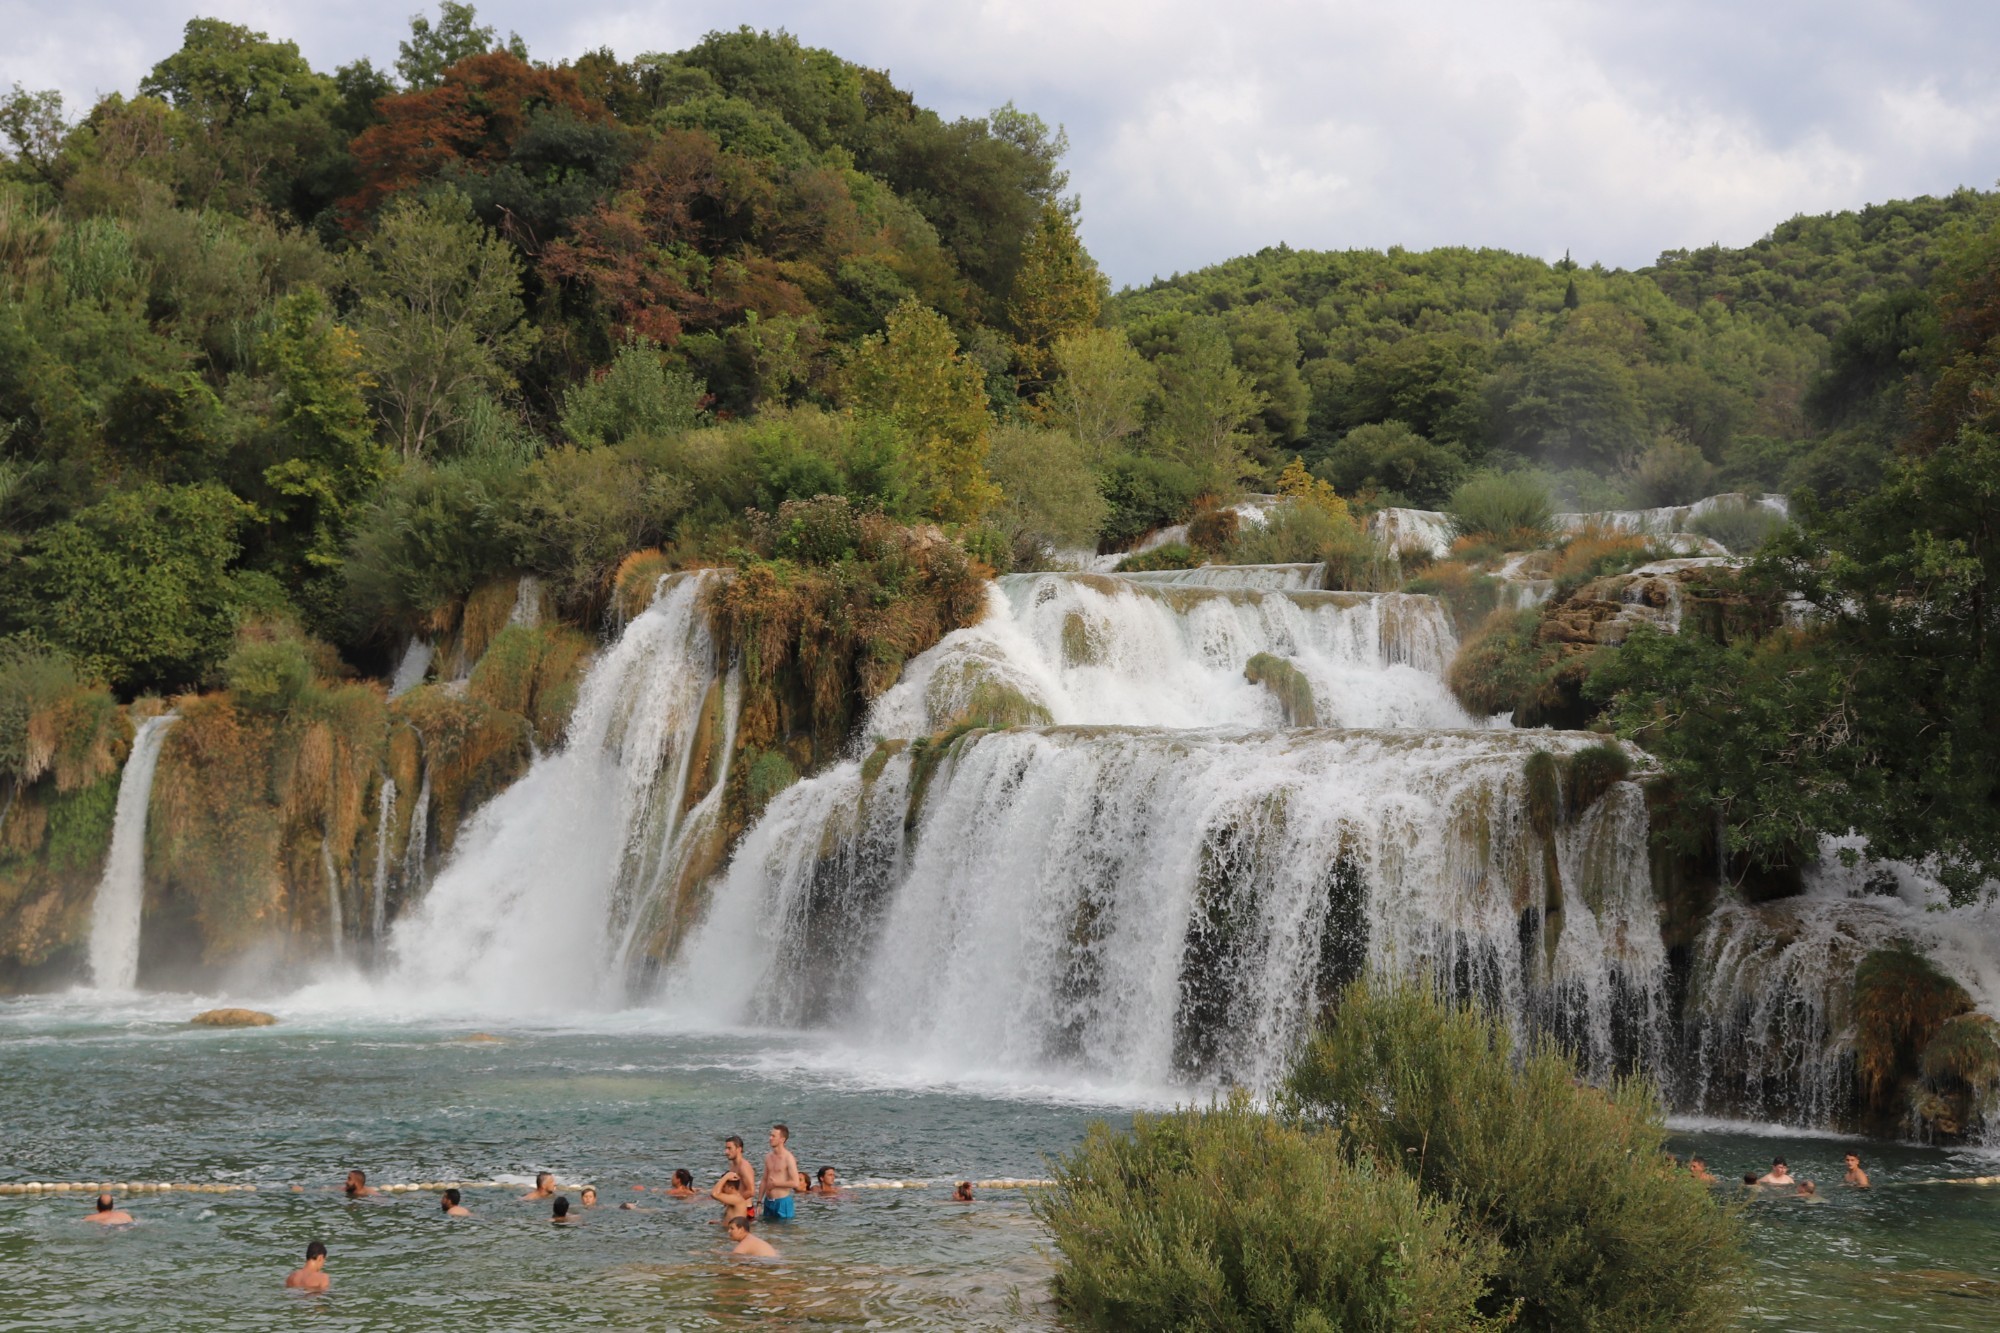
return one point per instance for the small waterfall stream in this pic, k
(385, 824)
(121, 893)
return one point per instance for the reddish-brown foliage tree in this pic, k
(471, 119)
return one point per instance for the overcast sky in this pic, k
(1203, 130)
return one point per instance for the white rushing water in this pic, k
(1146, 905)
(530, 909)
(121, 893)
(385, 824)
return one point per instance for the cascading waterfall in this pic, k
(1159, 881)
(540, 895)
(121, 893)
(1770, 1000)
(385, 823)
(336, 927)
(416, 856)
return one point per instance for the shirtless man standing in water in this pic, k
(781, 1176)
(108, 1213)
(746, 1174)
(1855, 1175)
(313, 1276)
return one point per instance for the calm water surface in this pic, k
(100, 1090)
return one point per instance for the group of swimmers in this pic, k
(738, 1190)
(1780, 1176)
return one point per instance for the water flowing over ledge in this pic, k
(121, 894)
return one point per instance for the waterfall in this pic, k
(121, 893)
(412, 667)
(336, 929)
(385, 824)
(557, 877)
(417, 853)
(1090, 649)
(1153, 906)
(1157, 880)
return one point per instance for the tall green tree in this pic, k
(1203, 405)
(1101, 391)
(1058, 292)
(439, 317)
(914, 374)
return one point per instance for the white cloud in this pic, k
(1200, 131)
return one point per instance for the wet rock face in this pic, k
(233, 1018)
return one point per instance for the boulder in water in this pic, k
(234, 1018)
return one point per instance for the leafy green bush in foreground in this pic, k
(1419, 1173)
(1229, 1219)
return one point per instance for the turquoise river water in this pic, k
(102, 1090)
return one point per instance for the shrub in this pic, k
(1507, 667)
(1739, 524)
(52, 721)
(1504, 506)
(1214, 527)
(533, 671)
(583, 510)
(1171, 555)
(1596, 552)
(1049, 494)
(1670, 472)
(1901, 1000)
(637, 394)
(432, 536)
(1596, 1227)
(1228, 1219)
(1144, 494)
(268, 671)
(1468, 596)
(1593, 771)
(1394, 462)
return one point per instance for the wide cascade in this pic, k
(553, 883)
(1136, 828)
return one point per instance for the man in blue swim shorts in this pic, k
(781, 1177)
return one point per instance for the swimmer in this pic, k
(559, 1211)
(108, 1213)
(1699, 1170)
(1855, 1175)
(963, 1194)
(1808, 1190)
(545, 1186)
(829, 1184)
(746, 1244)
(1779, 1174)
(357, 1186)
(733, 1195)
(683, 1184)
(589, 1196)
(733, 1147)
(453, 1204)
(781, 1176)
(313, 1276)
(1750, 1179)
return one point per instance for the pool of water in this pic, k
(103, 1090)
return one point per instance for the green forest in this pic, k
(295, 364)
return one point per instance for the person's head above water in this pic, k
(1778, 1164)
(683, 1178)
(105, 1203)
(781, 1133)
(588, 1194)
(357, 1182)
(964, 1192)
(545, 1180)
(827, 1176)
(1749, 1177)
(560, 1208)
(738, 1227)
(452, 1199)
(734, 1141)
(315, 1252)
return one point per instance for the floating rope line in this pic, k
(438, 1186)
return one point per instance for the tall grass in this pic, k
(1502, 506)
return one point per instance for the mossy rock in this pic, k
(233, 1018)
(1288, 685)
(1901, 1002)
